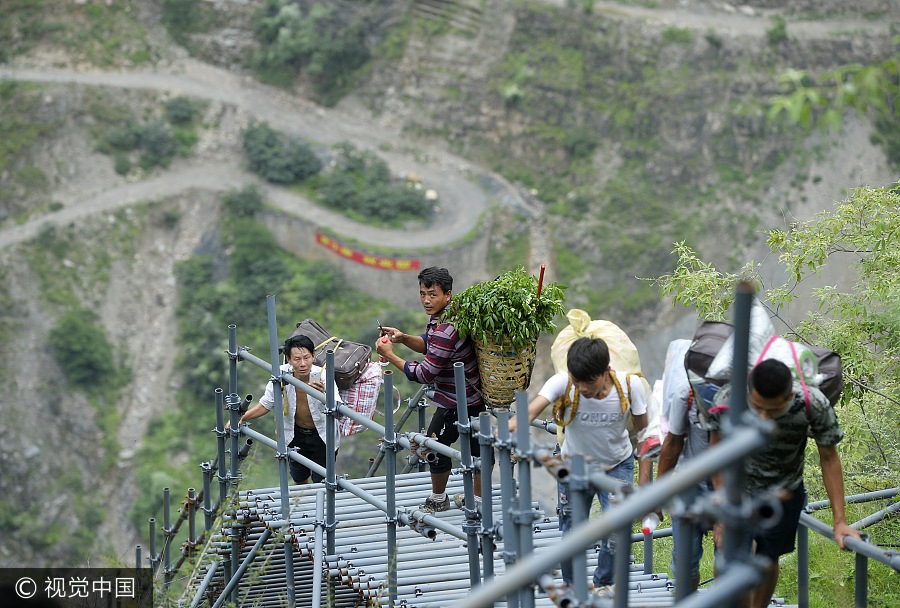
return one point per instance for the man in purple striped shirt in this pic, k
(442, 346)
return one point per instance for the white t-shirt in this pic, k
(316, 408)
(599, 429)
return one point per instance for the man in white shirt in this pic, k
(593, 403)
(304, 416)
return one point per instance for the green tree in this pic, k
(82, 350)
(871, 90)
(157, 144)
(244, 202)
(180, 110)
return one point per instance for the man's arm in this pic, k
(644, 464)
(717, 479)
(669, 453)
(833, 476)
(537, 405)
(414, 343)
(254, 412)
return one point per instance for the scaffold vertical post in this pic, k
(736, 545)
(803, 558)
(330, 484)
(578, 487)
(507, 496)
(389, 447)
(524, 516)
(281, 443)
(470, 527)
(861, 592)
(486, 445)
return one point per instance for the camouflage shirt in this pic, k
(779, 465)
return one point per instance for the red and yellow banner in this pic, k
(364, 258)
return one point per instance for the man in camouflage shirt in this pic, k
(778, 467)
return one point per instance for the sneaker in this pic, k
(460, 501)
(432, 506)
(604, 591)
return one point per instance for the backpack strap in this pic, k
(802, 381)
(563, 403)
(796, 366)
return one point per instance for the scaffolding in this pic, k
(364, 542)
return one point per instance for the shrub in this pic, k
(778, 32)
(180, 110)
(277, 159)
(83, 351)
(244, 202)
(122, 164)
(157, 144)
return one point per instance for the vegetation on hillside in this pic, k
(96, 32)
(357, 183)
(871, 90)
(317, 42)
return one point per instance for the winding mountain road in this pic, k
(462, 200)
(455, 179)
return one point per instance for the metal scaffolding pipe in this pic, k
(891, 559)
(876, 517)
(318, 550)
(855, 498)
(236, 577)
(390, 446)
(201, 589)
(739, 577)
(404, 518)
(738, 445)
(404, 439)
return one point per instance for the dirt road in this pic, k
(462, 201)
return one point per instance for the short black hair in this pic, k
(298, 341)
(588, 359)
(436, 276)
(771, 378)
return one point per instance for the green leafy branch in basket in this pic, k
(506, 310)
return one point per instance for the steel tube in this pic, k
(201, 589)
(728, 586)
(318, 550)
(485, 442)
(855, 498)
(876, 517)
(578, 486)
(404, 518)
(737, 446)
(524, 516)
(236, 577)
(861, 591)
(507, 495)
(854, 544)
(403, 439)
(802, 566)
(390, 486)
(464, 425)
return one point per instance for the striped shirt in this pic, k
(443, 348)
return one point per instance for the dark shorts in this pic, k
(310, 445)
(779, 540)
(443, 426)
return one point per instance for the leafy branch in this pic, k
(506, 310)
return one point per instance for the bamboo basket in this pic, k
(503, 370)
